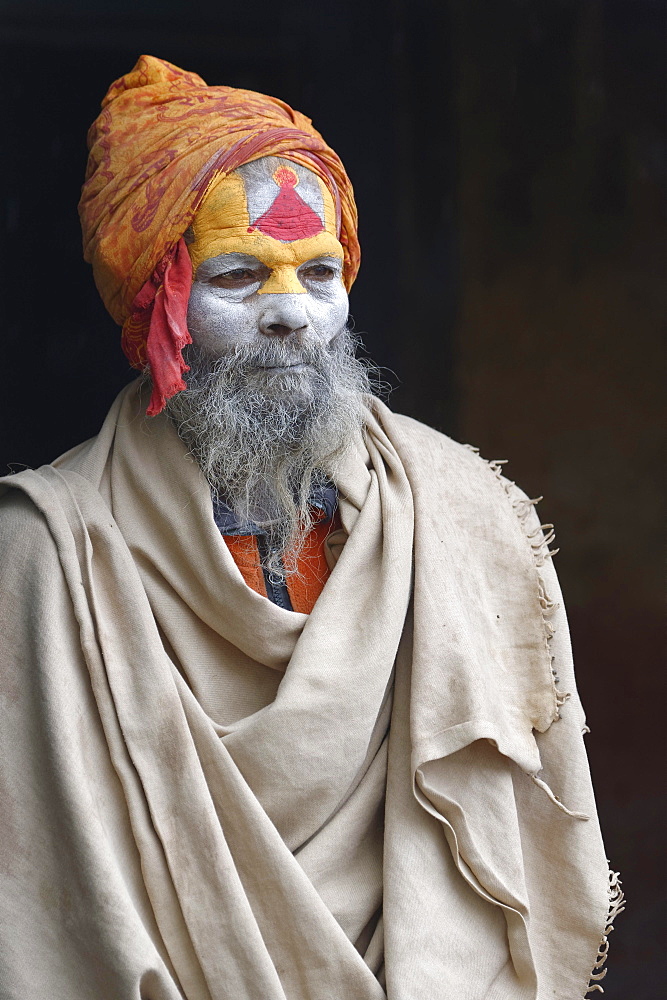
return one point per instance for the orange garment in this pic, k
(304, 586)
(162, 138)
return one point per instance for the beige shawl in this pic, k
(206, 796)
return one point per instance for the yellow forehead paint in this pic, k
(283, 237)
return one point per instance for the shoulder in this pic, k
(433, 441)
(457, 476)
(432, 455)
(21, 521)
(28, 550)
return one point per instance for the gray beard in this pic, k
(264, 434)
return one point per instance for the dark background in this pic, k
(508, 161)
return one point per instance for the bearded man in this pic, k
(289, 703)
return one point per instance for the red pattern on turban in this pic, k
(161, 139)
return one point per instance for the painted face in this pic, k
(265, 258)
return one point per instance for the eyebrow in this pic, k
(208, 268)
(324, 257)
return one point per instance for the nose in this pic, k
(283, 315)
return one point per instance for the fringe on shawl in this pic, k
(540, 539)
(616, 906)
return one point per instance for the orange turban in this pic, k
(162, 138)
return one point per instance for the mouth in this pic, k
(297, 366)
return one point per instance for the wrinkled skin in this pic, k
(233, 302)
(226, 310)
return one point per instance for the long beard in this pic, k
(265, 434)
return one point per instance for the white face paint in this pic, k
(266, 259)
(227, 307)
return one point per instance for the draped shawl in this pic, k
(206, 796)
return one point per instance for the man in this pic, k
(289, 704)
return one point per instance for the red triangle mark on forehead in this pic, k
(289, 217)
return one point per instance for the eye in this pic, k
(240, 277)
(319, 272)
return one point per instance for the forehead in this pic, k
(281, 195)
(263, 206)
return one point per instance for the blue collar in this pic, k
(323, 497)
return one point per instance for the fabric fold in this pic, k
(303, 806)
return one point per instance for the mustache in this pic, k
(283, 352)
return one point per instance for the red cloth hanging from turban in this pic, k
(162, 137)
